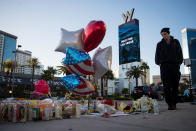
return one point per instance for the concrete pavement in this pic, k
(182, 119)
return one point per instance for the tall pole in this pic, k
(14, 69)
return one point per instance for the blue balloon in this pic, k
(71, 81)
(74, 56)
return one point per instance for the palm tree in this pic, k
(144, 67)
(108, 75)
(52, 72)
(33, 63)
(135, 72)
(62, 69)
(8, 66)
(125, 91)
(48, 75)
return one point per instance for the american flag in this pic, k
(85, 88)
(71, 82)
(78, 62)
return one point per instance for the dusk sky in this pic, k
(37, 24)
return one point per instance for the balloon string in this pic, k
(96, 87)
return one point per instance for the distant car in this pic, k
(144, 90)
(193, 90)
(138, 92)
(138, 89)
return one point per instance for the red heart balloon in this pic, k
(94, 34)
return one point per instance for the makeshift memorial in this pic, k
(78, 110)
(22, 112)
(58, 110)
(156, 107)
(106, 115)
(122, 106)
(4, 112)
(36, 112)
(10, 111)
(144, 106)
(46, 115)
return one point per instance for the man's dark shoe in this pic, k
(174, 107)
(171, 107)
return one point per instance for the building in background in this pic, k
(22, 58)
(189, 51)
(8, 51)
(129, 52)
(157, 79)
(7, 46)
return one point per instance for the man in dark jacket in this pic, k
(169, 57)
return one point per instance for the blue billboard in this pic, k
(192, 49)
(129, 42)
(191, 39)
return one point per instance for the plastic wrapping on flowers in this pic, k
(137, 105)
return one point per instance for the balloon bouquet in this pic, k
(41, 89)
(76, 45)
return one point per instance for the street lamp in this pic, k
(10, 91)
(14, 67)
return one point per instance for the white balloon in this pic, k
(102, 61)
(72, 39)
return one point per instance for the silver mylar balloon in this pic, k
(102, 61)
(72, 39)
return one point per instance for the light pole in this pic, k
(14, 68)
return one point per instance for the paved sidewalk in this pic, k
(182, 119)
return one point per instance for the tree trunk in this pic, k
(32, 84)
(136, 82)
(12, 85)
(6, 87)
(96, 89)
(53, 89)
(106, 92)
(102, 86)
(144, 77)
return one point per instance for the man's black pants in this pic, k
(170, 76)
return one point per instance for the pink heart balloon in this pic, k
(94, 34)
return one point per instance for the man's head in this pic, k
(165, 33)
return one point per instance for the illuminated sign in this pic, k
(129, 42)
